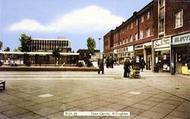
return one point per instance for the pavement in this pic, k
(47, 95)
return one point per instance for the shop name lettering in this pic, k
(183, 39)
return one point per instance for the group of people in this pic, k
(109, 62)
(128, 64)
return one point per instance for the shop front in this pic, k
(144, 51)
(130, 52)
(180, 54)
(148, 54)
(162, 53)
(139, 52)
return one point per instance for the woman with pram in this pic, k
(135, 69)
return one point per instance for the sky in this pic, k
(75, 20)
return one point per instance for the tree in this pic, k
(1, 45)
(7, 49)
(91, 45)
(56, 54)
(17, 49)
(25, 47)
(25, 42)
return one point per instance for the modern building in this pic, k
(41, 52)
(44, 45)
(158, 33)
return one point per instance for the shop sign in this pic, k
(181, 39)
(139, 47)
(147, 44)
(165, 42)
(130, 49)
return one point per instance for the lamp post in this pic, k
(99, 47)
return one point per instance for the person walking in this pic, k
(101, 66)
(142, 64)
(107, 62)
(127, 68)
(112, 62)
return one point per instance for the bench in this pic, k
(2, 85)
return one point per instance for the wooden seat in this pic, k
(2, 85)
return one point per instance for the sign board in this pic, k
(181, 39)
(148, 44)
(162, 43)
(115, 51)
(130, 49)
(139, 47)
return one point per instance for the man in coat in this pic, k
(101, 66)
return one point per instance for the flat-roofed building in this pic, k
(44, 45)
(41, 52)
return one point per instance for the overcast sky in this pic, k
(75, 20)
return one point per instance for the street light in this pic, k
(99, 47)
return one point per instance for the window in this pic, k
(161, 25)
(136, 23)
(132, 25)
(147, 32)
(161, 3)
(179, 19)
(126, 28)
(142, 19)
(136, 36)
(141, 34)
(126, 41)
(148, 15)
(131, 38)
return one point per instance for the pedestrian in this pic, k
(142, 64)
(101, 66)
(111, 62)
(107, 62)
(133, 61)
(126, 68)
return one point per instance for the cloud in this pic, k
(87, 19)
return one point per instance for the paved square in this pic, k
(46, 95)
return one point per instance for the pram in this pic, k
(135, 71)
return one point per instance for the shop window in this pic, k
(179, 19)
